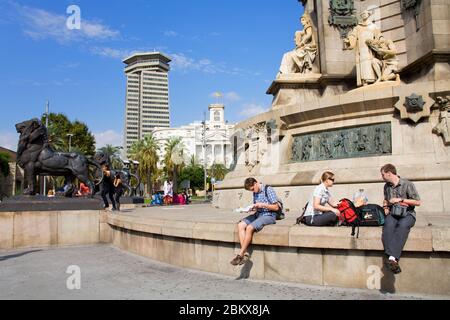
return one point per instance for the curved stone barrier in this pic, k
(317, 256)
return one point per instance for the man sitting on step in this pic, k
(265, 206)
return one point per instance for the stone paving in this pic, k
(108, 273)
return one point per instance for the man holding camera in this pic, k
(400, 199)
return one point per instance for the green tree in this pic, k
(218, 171)
(113, 154)
(174, 160)
(195, 174)
(83, 141)
(4, 164)
(146, 153)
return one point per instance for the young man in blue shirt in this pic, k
(265, 206)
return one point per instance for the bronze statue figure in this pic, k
(36, 157)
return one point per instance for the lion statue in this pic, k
(36, 157)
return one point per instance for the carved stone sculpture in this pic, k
(36, 157)
(365, 32)
(342, 16)
(443, 127)
(302, 58)
(385, 62)
(414, 103)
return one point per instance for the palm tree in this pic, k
(194, 161)
(218, 171)
(146, 153)
(113, 154)
(174, 159)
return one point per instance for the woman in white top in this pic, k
(322, 210)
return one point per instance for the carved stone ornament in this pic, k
(342, 16)
(363, 141)
(414, 107)
(408, 4)
(255, 144)
(414, 103)
(443, 127)
(413, 4)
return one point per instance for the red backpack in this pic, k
(349, 215)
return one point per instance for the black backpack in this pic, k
(301, 219)
(371, 215)
(280, 213)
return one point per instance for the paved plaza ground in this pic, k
(108, 273)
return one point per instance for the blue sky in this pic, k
(234, 47)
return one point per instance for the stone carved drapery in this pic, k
(365, 32)
(364, 141)
(302, 58)
(385, 61)
(443, 126)
(342, 16)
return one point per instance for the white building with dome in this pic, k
(217, 138)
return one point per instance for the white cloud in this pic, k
(40, 24)
(250, 110)
(181, 62)
(9, 140)
(108, 137)
(111, 52)
(171, 33)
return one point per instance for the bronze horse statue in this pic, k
(36, 157)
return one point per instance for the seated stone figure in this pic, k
(302, 58)
(385, 62)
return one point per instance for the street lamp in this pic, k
(204, 129)
(46, 115)
(70, 135)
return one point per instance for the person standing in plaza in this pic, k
(400, 199)
(118, 186)
(266, 205)
(107, 188)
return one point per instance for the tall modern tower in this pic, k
(147, 100)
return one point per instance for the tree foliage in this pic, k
(145, 151)
(4, 164)
(59, 126)
(174, 159)
(218, 171)
(195, 174)
(113, 153)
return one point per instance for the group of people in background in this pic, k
(168, 197)
(322, 210)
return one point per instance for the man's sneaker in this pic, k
(394, 266)
(238, 260)
(245, 258)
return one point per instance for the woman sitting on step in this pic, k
(321, 209)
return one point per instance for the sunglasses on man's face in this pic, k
(332, 179)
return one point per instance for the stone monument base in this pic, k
(42, 203)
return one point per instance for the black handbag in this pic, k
(398, 210)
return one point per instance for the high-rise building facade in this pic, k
(147, 97)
